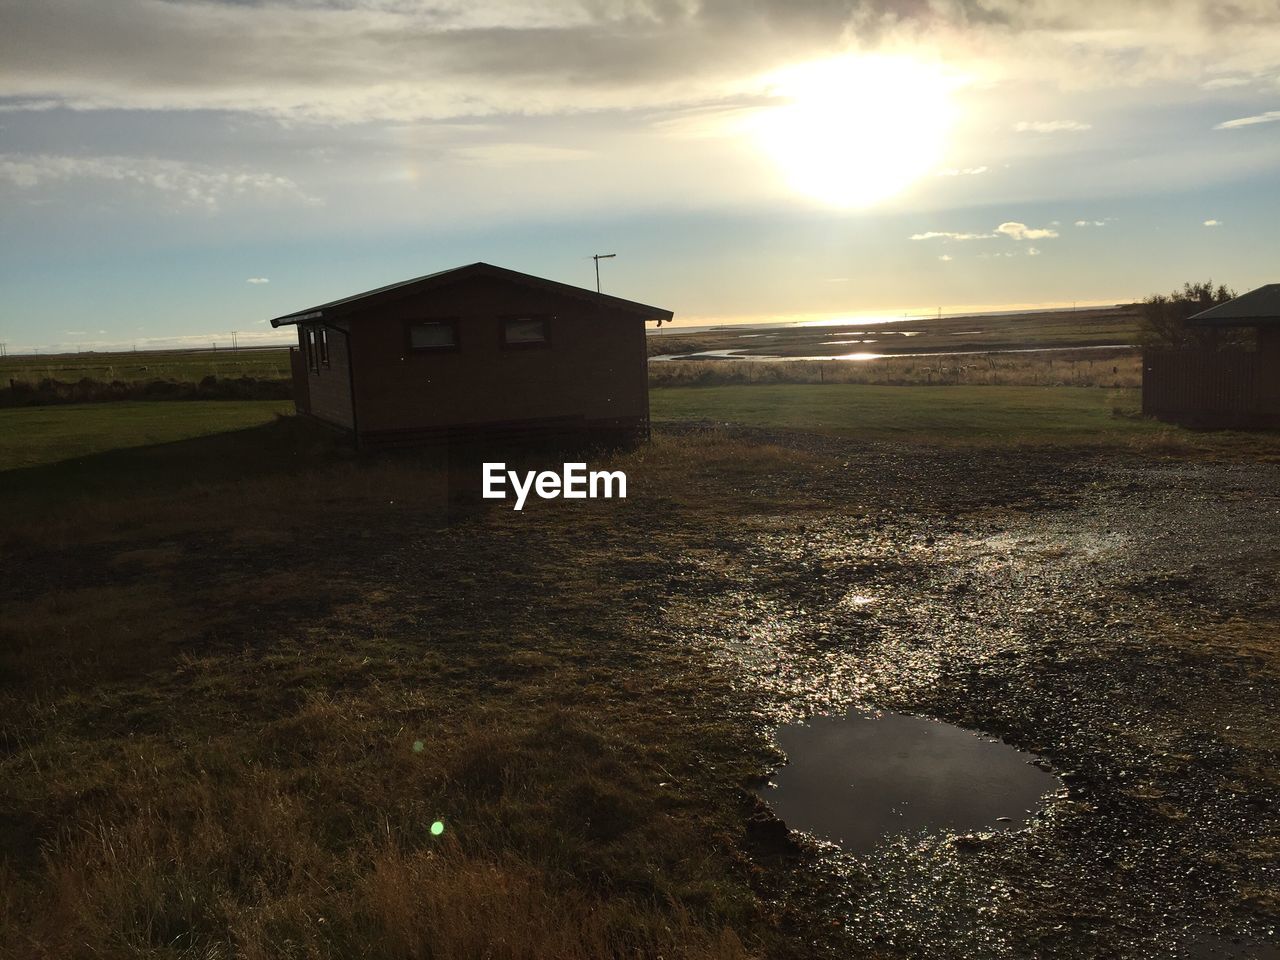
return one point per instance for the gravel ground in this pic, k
(1111, 613)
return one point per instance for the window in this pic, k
(524, 331)
(315, 341)
(433, 335)
(309, 342)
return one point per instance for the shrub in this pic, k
(1164, 318)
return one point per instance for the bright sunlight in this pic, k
(857, 130)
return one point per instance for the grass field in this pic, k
(242, 674)
(199, 761)
(188, 366)
(1101, 368)
(37, 435)
(998, 415)
(985, 415)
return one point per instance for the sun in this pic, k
(856, 130)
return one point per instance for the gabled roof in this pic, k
(370, 298)
(1257, 307)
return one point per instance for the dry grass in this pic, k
(1082, 369)
(314, 841)
(227, 734)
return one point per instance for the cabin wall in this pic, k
(1227, 388)
(592, 369)
(329, 387)
(299, 379)
(1269, 361)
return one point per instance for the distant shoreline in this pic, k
(875, 319)
(870, 356)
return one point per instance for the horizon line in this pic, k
(253, 340)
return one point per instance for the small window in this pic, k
(524, 331)
(433, 335)
(309, 340)
(322, 343)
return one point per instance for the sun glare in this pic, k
(857, 130)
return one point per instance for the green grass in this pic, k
(36, 436)
(31, 436)
(956, 414)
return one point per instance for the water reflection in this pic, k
(739, 354)
(859, 778)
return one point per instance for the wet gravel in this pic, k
(1101, 610)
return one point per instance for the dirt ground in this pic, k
(1113, 612)
(1115, 615)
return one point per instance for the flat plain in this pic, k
(242, 674)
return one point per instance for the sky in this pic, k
(175, 170)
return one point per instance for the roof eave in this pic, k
(293, 318)
(1255, 308)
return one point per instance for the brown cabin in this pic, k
(1221, 388)
(476, 350)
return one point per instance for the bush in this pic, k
(1164, 318)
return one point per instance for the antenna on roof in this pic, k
(597, 257)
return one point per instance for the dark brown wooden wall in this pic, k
(1269, 368)
(298, 375)
(594, 366)
(329, 391)
(1226, 386)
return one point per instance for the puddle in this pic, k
(861, 778)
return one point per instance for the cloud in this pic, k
(962, 172)
(357, 61)
(1213, 223)
(1010, 228)
(946, 258)
(354, 61)
(518, 154)
(1033, 251)
(1020, 231)
(258, 280)
(1094, 223)
(1271, 116)
(1225, 83)
(1050, 126)
(947, 235)
(188, 184)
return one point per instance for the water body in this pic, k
(740, 355)
(860, 778)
